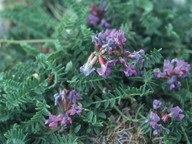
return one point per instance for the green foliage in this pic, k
(15, 136)
(48, 41)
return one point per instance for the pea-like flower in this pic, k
(110, 40)
(176, 113)
(96, 16)
(158, 117)
(128, 68)
(173, 71)
(105, 70)
(67, 102)
(157, 104)
(136, 56)
(173, 83)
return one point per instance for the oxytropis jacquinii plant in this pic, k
(67, 103)
(173, 71)
(162, 116)
(96, 16)
(109, 51)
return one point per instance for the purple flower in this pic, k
(92, 20)
(154, 117)
(156, 104)
(105, 70)
(128, 69)
(66, 119)
(153, 121)
(53, 121)
(96, 16)
(87, 68)
(175, 113)
(66, 100)
(99, 39)
(168, 67)
(172, 71)
(115, 39)
(181, 68)
(104, 23)
(158, 73)
(159, 128)
(110, 40)
(75, 109)
(173, 83)
(176, 67)
(136, 56)
(73, 96)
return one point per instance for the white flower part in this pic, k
(87, 69)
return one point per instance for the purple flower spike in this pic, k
(87, 68)
(156, 104)
(175, 113)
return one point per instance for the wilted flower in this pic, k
(175, 113)
(88, 68)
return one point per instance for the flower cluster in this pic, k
(66, 100)
(156, 122)
(172, 71)
(109, 50)
(96, 16)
